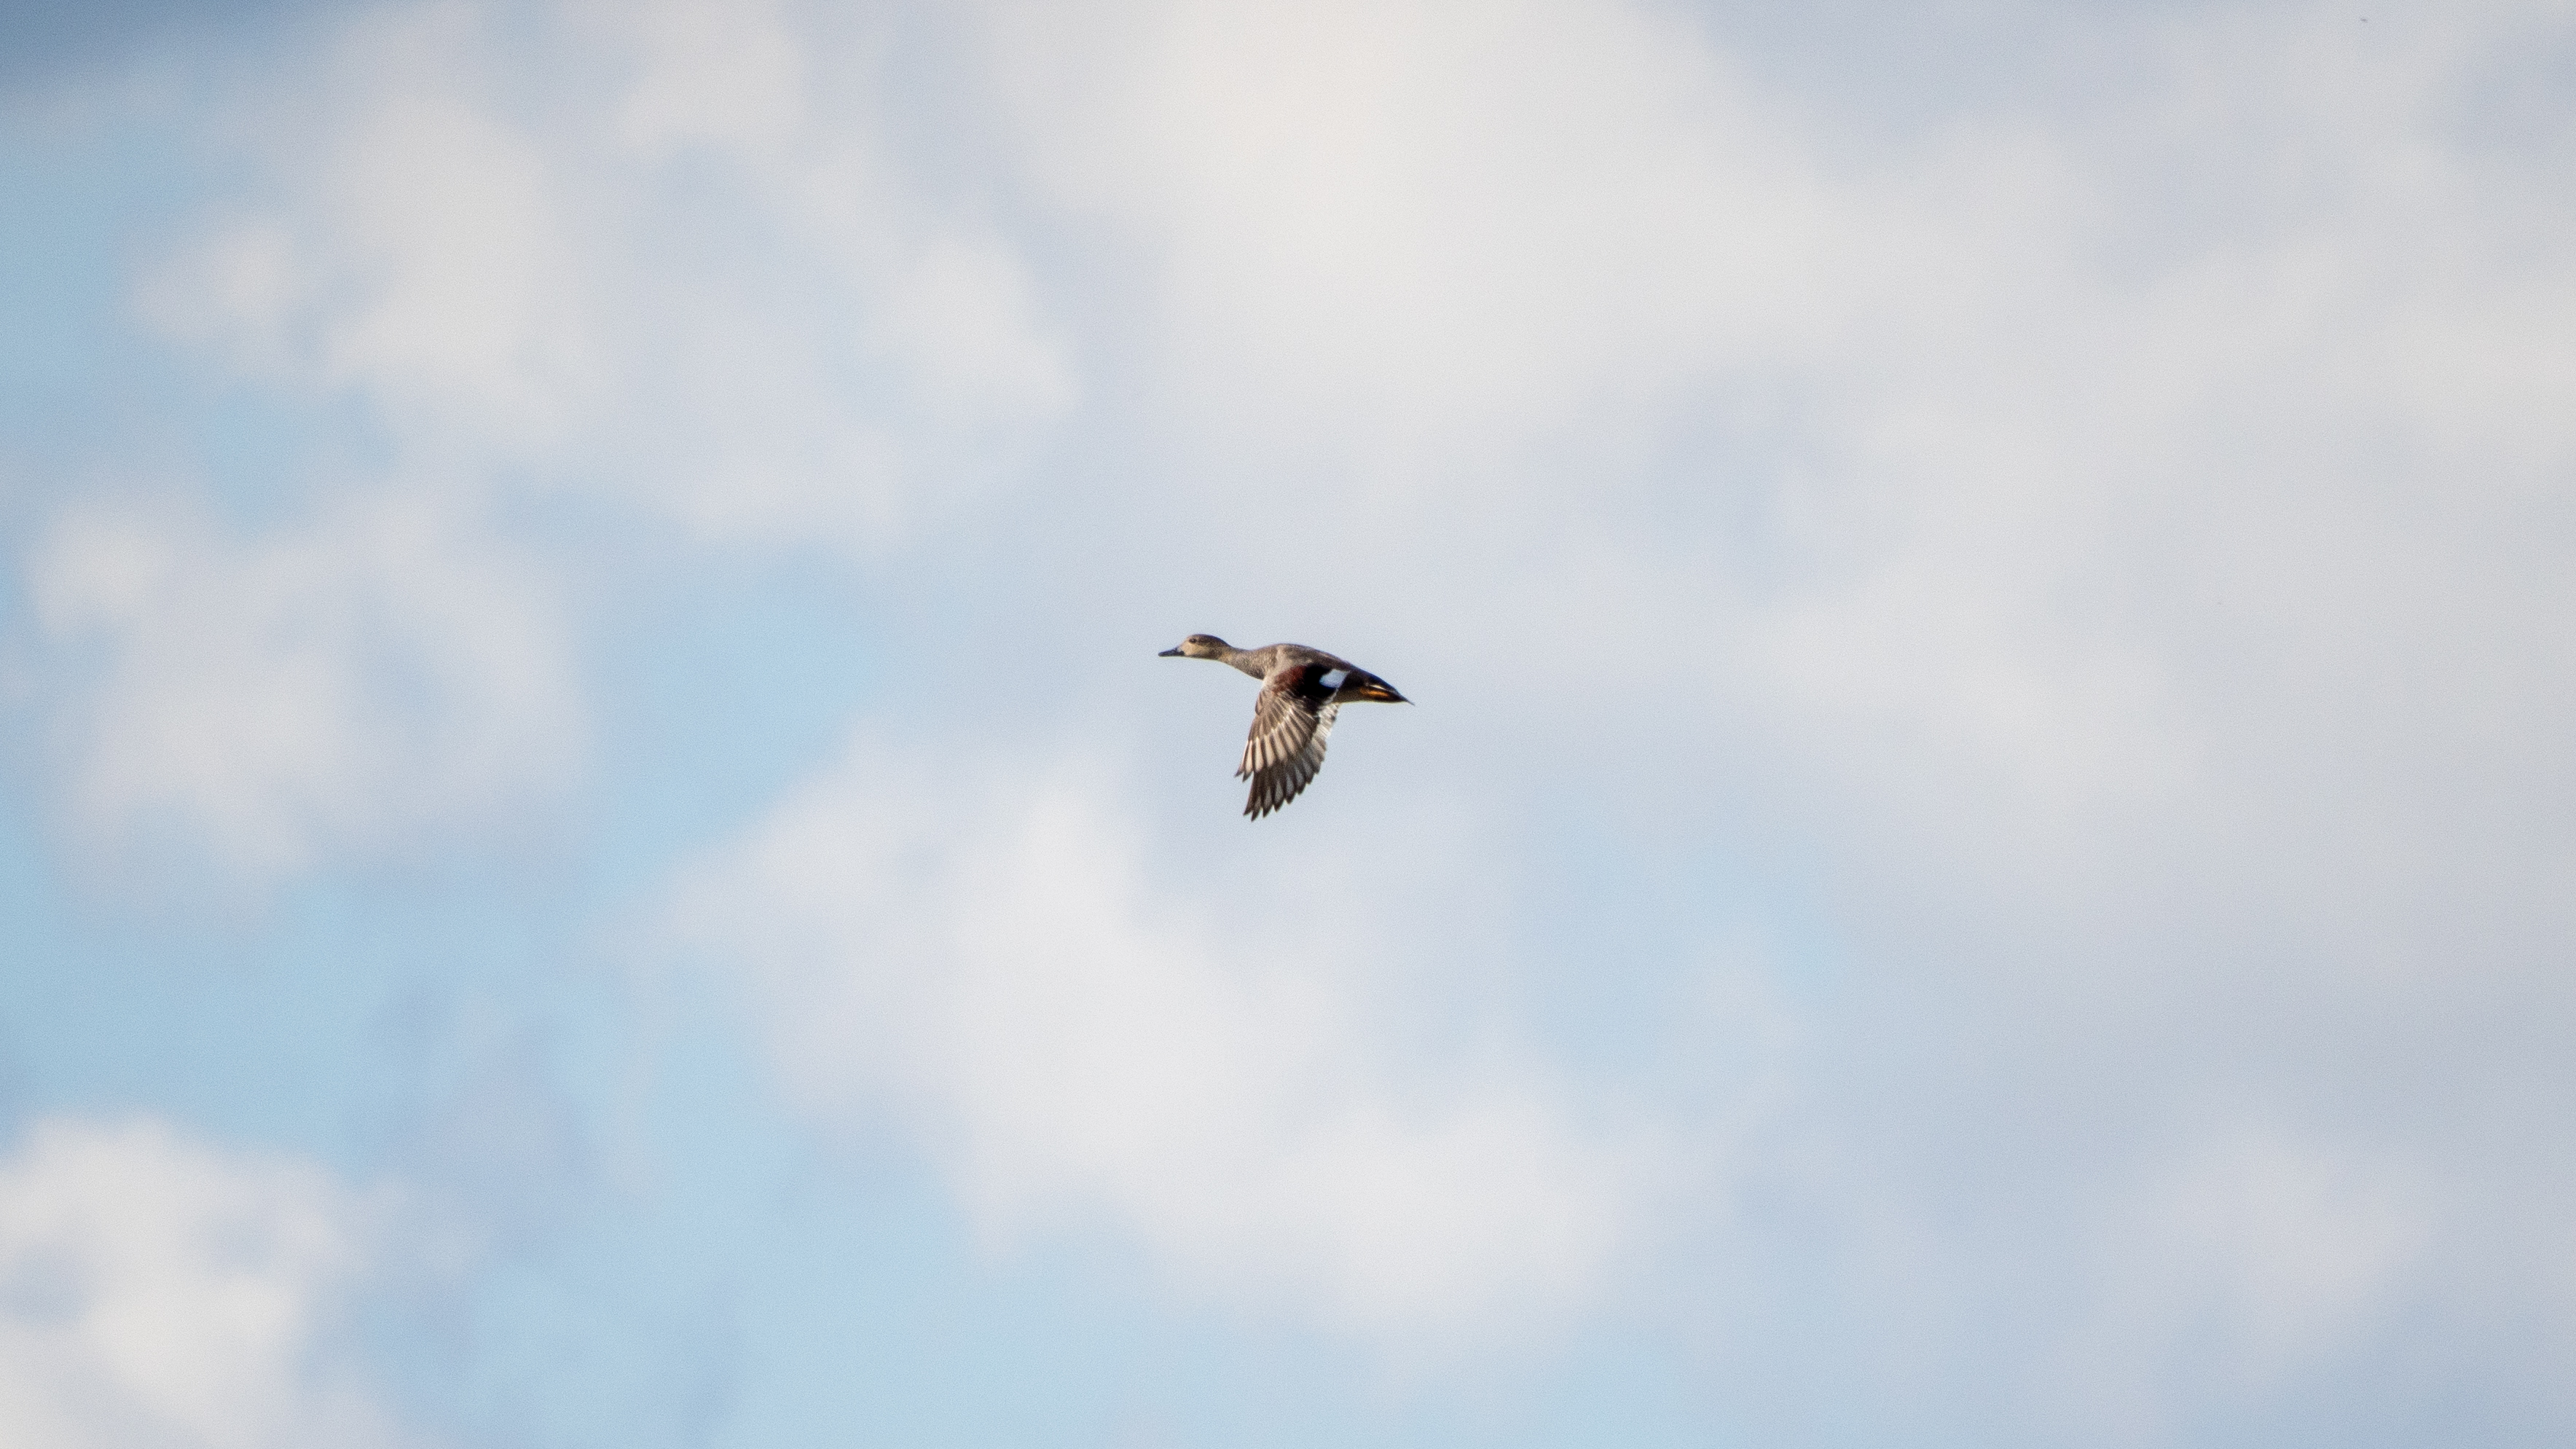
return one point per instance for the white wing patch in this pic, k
(1334, 679)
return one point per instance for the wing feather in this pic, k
(1290, 725)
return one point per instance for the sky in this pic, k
(594, 849)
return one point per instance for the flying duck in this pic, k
(1301, 690)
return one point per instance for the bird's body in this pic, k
(1302, 690)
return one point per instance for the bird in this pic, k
(1301, 690)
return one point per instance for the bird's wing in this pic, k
(1291, 719)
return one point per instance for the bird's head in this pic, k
(1197, 646)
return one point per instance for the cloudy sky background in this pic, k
(594, 850)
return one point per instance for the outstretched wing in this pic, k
(1292, 718)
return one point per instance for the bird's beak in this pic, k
(1169, 654)
(1383, 695)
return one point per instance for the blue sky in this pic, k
(596, 851)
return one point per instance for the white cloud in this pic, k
(2005, 420)
(423, 249)
(2229, 1274)
(233, 290)
(1425, 232)
(992, 967)
(2123, 543)
(384, 670)
(2111, 546)
(157, 1292)
(663, 254)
